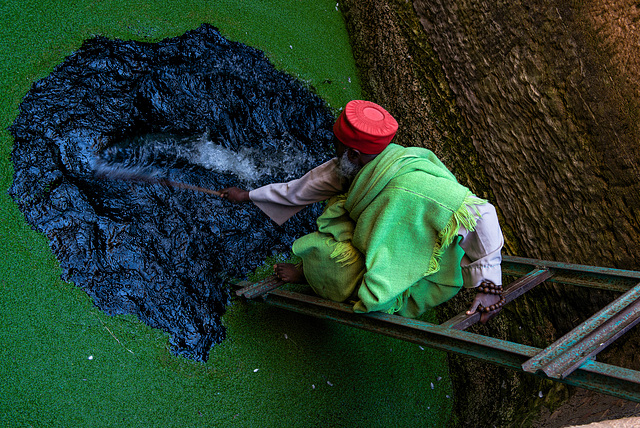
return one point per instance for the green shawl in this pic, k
(387, 244)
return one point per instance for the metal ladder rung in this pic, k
(572, 350)
(514, 290)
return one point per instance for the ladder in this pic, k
(570, 360)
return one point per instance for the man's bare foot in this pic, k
(288, 272)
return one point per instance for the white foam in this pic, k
(220, 159)
(248, 164)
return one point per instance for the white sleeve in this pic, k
(280, 201)
(482, 248)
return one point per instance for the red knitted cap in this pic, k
(365, 126)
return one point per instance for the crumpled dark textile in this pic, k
(155, 251)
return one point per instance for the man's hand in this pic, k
(235, 194)
(485, 301)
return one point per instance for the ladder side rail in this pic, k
(560, 266)
(611, 279)
(260, 288)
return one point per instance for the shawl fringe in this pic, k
(344, 253)
(462, 217)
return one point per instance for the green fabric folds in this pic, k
(388, 243)
(332, 265)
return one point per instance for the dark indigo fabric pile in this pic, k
(159, 252)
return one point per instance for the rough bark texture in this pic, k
(533, 105)
(551, 110)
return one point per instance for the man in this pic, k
(399, 233)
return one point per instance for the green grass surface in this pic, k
(64, 363)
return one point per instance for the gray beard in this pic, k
(346, 169)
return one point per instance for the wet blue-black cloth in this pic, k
(154, 251)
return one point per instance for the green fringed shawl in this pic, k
(394, 230)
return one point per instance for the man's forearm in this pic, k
(482, 247)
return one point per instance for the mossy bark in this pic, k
(533, 105)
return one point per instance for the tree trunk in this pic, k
(533, 105)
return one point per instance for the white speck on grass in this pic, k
(256, 370)
(329, 383)
(540, 394)
(432, 385)
(90, 357)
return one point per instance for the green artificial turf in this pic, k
(64, 363)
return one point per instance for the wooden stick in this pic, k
(189, 186)
(120, 174)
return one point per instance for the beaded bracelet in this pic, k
(493, 307)
(488, 287)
